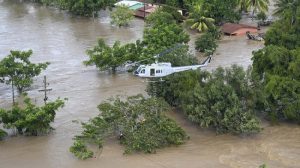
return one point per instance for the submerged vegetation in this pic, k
(223, 99)
(121, 16)
(229, 100)
(17, 70)
(277, 65)
(79, 7)
(30, 119)
(140, 124)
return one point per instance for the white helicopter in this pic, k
(162, 69)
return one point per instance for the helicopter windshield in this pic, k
(139, 69)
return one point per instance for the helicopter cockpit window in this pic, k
(143, 71)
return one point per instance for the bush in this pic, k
(139, 123)
(206, 43)
(121, 16)
(2, 134)
(31, 120)
(79, 149)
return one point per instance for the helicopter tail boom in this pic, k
(192, 67)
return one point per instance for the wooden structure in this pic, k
(237, 29)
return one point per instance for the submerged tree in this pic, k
(198, 21)
(110, 58)
(31, 120)
(17, 70)
(139, 123)
(258, 5)
(121, 16)
(223, 100)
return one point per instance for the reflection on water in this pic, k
(62, 40)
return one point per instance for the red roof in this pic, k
(231, 28)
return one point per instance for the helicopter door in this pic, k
(152, 72)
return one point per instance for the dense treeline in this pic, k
(79, 7)
(161, 33)
(230, 100)
(278, 64)
(223, 99)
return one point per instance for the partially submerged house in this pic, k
(233, 29)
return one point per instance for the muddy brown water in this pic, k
(62, 40)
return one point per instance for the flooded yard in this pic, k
(61, 39)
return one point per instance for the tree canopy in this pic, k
(277, 65)
(31, 119)
(16, 69)
(79, 7)
(140, 124)
(121, 16)
(223, 100)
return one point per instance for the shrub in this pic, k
(121, 16)
(31, 120)
(2, 134)
(140, 124)
(206, 43)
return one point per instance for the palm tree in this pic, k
(243, 5)
(260, 5)
(198, 20)
(287, 9)
(201, 23)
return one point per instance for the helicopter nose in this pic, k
(135, 73)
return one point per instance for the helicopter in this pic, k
(162, 69)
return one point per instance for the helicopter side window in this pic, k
(143, 71)
(152, 72)
(157, 71)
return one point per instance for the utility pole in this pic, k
(144, 10)
(13, 90)
(45, 90)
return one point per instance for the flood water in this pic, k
(61, 39)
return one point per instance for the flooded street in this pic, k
(61, 39)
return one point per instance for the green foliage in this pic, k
(258, 5)
(283, 34)
(2, 134)
(287, 10)
(198, 20)
(79, 7)
(17, 68)
(160, 37)
(277, 65)
(159, 17)
(80, 150)
(263, 166)
(223, 100)
(221, 10)
(161, 34)
(278, 69)
(140, 123)
(261, 16)
(206, 43)
(179, 57)
(174, 12)
(121, 16)
(31, 120)
(106, 58)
